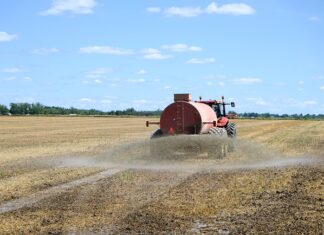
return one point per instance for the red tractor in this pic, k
(187, 117)
(195, 117)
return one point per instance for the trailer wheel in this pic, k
(220, 132)
(156, 134)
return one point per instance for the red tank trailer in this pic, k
(188, 117)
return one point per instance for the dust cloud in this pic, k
(189, 153)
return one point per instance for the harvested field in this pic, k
(58, 175)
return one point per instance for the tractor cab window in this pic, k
(217, 109)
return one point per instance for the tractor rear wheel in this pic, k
(231, 130)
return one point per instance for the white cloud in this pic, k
(314, 18)
(73, 6)
(181, 48)
(210, 83)
(183, 11)
(195, 48)
(302, 104)
(322, 88)
(154, 54)
(309, 102)
(27, 78)
(212, 8)
(301, 82)
(258, 101)
(150, 51)
(201, 61)
(230, 9)
(247, 80)
(25, 99)
(45, 51)
(141, 72)
(105, 50)
(106, 101)
(86, 100)
(167, 88)
(153, 9)
(99, 73)
(141, 80)
(5, 37)
(10, 78)
(102, 70)
(98, 81)
(11, 70)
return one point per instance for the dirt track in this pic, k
(279, 193)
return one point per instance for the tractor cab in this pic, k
(219, 108)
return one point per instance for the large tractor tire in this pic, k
(219, 149)
(231, 130)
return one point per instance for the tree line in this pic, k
(39, 109)
(277, 116)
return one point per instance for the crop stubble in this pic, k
(283, 195)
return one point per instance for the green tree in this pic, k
(3, 110)
(36, 108)
(20, 108)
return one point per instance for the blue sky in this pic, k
(267, 56)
